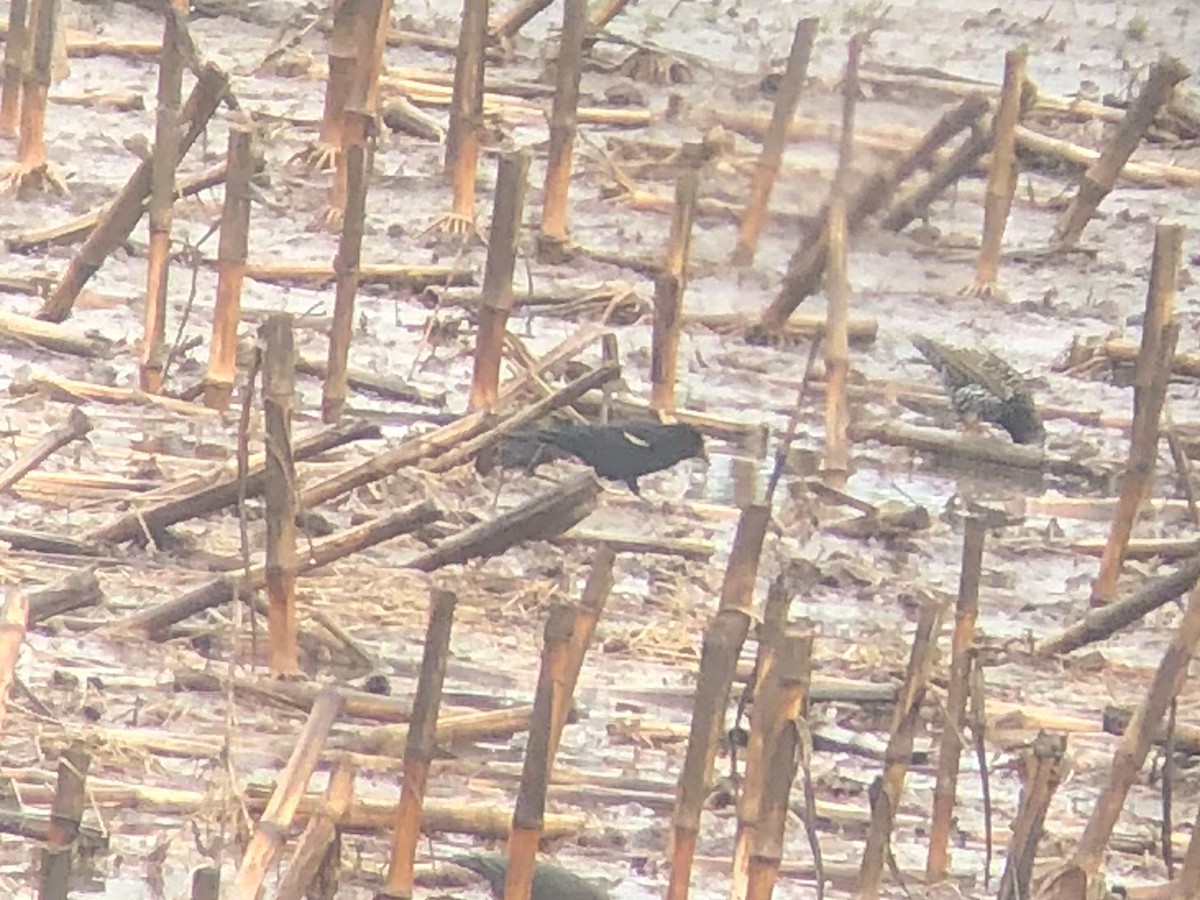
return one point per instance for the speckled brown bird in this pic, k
(984, 388)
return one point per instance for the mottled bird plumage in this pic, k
(628, 450)
(550, 882)
(984, 387)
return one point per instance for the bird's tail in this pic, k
(562, 439)
(549, 435)
(490, 866)
(929, 348)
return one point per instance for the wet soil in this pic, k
(862, 604)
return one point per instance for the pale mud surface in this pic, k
(644, 662)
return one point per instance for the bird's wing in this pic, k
(493, 868)
(571, 439)
(1013, 380)
(969, 366)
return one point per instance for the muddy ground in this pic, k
(863, 606)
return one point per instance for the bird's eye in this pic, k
(634, 439)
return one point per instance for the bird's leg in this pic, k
(984, 290)
(25, 179)
(328, 219)
(499, 488)
(971, 424)
(974, 429)
(455, 227)
(534, 460)
(317, 156)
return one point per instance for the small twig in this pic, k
(243, 463)
(1183, 465)
(192, 251)
(979, 733)
(280, 46)
(1168, 785)
(781, 451)
(186, 46)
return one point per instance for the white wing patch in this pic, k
(635, 440)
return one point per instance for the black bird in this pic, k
(629, 450)
(983, 387)
(550, 882)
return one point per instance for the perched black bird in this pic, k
(983, 387)
(629, 450)
(549, 882)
